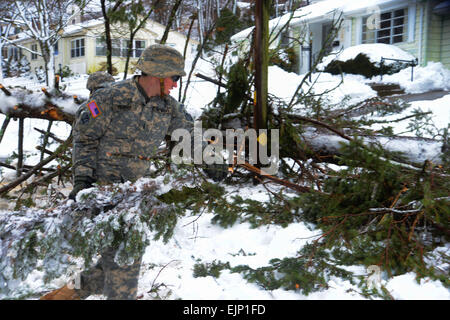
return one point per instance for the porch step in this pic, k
(387, 89)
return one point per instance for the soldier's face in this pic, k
(169, 84)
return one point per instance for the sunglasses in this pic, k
(175, 78)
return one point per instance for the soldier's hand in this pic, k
(80, 183)
(217, 172)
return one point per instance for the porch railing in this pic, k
(412, 63)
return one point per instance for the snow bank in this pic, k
(283, 85)
(405, 287)
(440, 116)
(374, 51)
(434, 76)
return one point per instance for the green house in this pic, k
(420, 27)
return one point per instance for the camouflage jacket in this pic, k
(119, 125)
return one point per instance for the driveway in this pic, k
(410, 97)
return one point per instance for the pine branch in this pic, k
(285, 183)
(4, 126)
(51, 135)
(319, 123)
(48, 110)
(25, 167)
(48, 177)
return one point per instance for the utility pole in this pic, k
(261, 59)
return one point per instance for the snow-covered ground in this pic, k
(170, 266)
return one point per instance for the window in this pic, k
(77, 48)
(120, 47)
(100, 47)
(34, 48)
(116, 50)
(14, 53)
(392, 28)
(139, 46)
(285, 39)
(55, 49)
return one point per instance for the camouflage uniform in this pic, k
(108, 145)
(98, 80)
(113, 130)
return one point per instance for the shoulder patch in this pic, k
(93, 107)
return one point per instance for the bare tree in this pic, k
(43, 21)
(5, 31)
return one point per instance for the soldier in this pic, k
(98, 80)
(120, 124)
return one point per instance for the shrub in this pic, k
(286, 59)
(66, 72)
(102, 67)
(362, 65)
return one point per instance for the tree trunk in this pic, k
(108, 39)
(169, 23)
(20, 148)
(201, 25)
(1, 62)
(261, 62)
(49, 59)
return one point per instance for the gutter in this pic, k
(427, 21)
(421, 34)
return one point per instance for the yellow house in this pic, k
(82, 47)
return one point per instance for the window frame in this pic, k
(121, 49)
(56, 48)
(34, 47)
(77, 51)
(392, 35)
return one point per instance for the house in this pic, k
(419, 27)
(82, 47)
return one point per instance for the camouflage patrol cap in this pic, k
(97, 79)
(161, 61)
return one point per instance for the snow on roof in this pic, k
(20, 37)
(74, 28)
(68, 30)
(243, 5)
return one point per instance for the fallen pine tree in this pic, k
(120, 215)
(49, 104)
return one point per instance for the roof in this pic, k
(78, 27)
(75, 28)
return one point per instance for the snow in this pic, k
(374, 51)
(411, 290)
(440, 114)
(197, 239)
(75, 28)
(434, 76)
